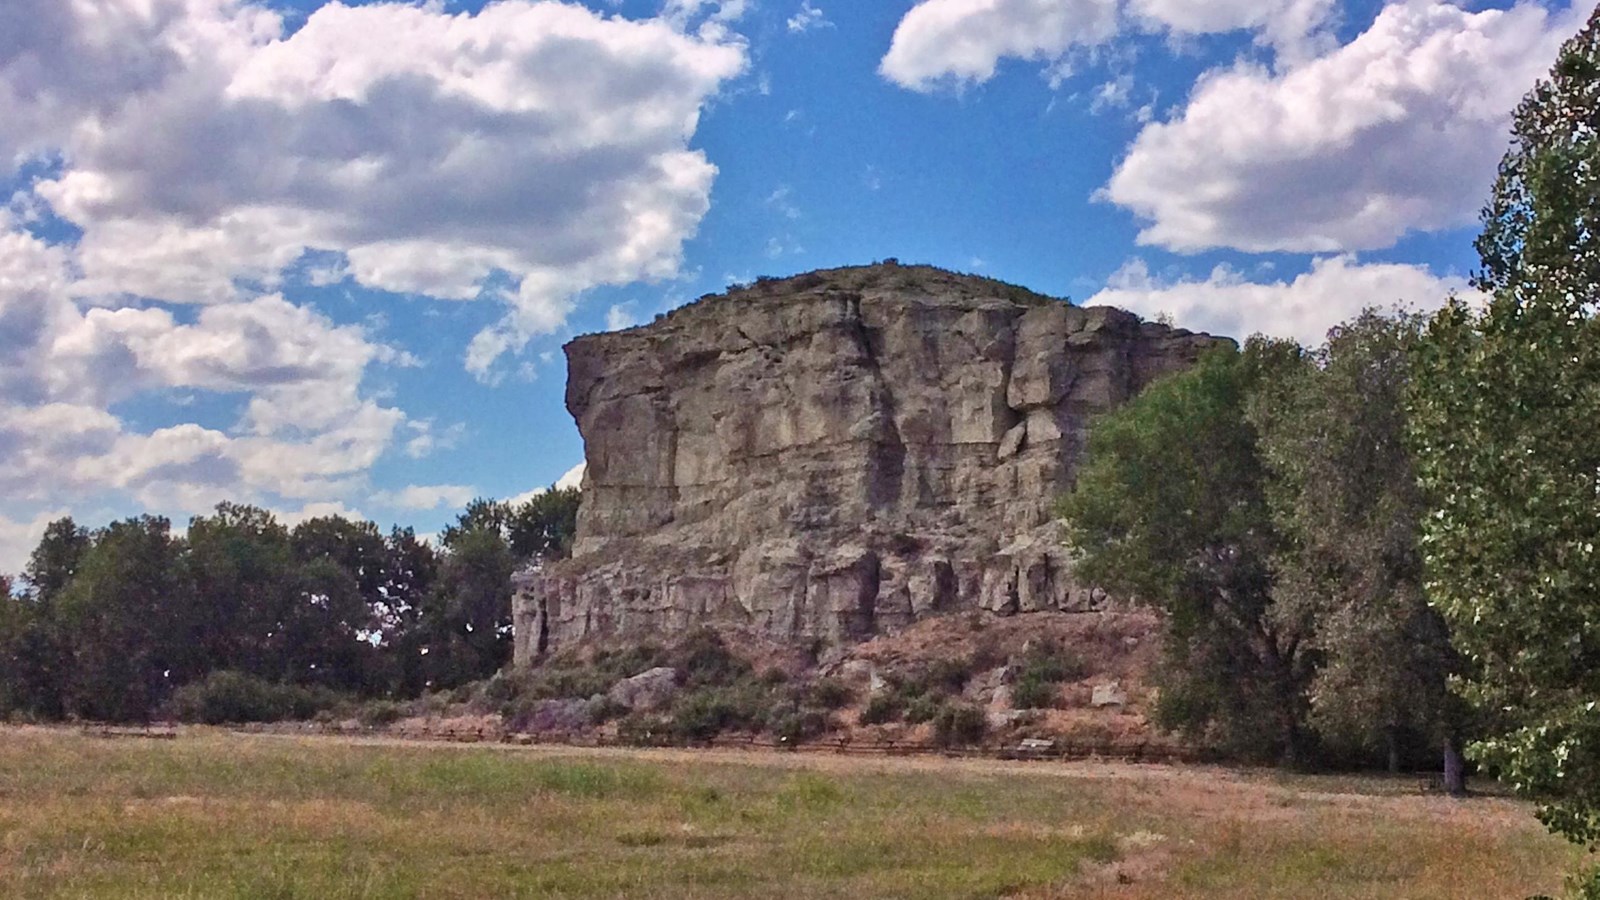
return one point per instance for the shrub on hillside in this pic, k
(829, 693)
(793, 724)
(1032, 692)
(882, 708)
(702, 714)
(959, 724)
(1048, 662)
(703, 658)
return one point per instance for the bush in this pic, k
(380, 713)
(795, 724)
(645, 730)
(230, 697)
(1047, 662)
(958, 724)
(939, 678)
(829, 693)
(923, 709)
(1032, 692)
(573, 678)
(701, 715)
(703, 659)
(882, 708)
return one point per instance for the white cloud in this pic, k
(1335, 290)
(573, 478)
(620, 316)
(1399, 130)
(807, 18)
(1289, 26)
(426, 496)
(426, 439)
(204, 147)
(203, 152)
(322, 509)
(962, 41)
(305, 426)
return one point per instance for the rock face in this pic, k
(835, 454)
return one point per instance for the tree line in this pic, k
(109, 623)
(1393, 539)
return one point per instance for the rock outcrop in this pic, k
(835, 454)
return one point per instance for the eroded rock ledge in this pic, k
(835, 454)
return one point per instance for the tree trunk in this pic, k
(1392, 739)
(1455, 775)
(1291, 742)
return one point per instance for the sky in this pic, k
(322, 257)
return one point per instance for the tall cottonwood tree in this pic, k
(1170, 507)
(1506, 426)
(123, 635)
(1343, 492)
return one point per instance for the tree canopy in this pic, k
(1506, 427)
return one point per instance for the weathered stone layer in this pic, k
(835, 454)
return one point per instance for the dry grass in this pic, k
(216, 815)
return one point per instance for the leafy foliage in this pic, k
(109, 623)
(230, 697)
(1170, 506)
(1343, 493)
(1506, 425)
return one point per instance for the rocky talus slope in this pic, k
(834, 455)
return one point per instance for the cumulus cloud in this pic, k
(538, 142)
(1289, 26)
(200, 151)
(959, 42)
(1225, 303)
(962, 41)
(426, 496)
(318, 510)
(1399, 130)
(305, 425)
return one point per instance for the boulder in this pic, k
(1110, 694)
(647, 691)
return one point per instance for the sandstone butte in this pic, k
(833, 456)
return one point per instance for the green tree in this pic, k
(239, 568)
(1344, 495)
(122, 617)
(1170, 507)
(544, 527)
(34, 652)
(467, 622)
(1506, 425)
(55, 559)
(481, 515)
(343, 574)
(401, 622)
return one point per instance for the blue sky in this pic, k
(323, 257)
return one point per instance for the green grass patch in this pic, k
(216, 815)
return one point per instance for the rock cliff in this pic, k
(833, 455)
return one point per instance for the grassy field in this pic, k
(216, 815)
